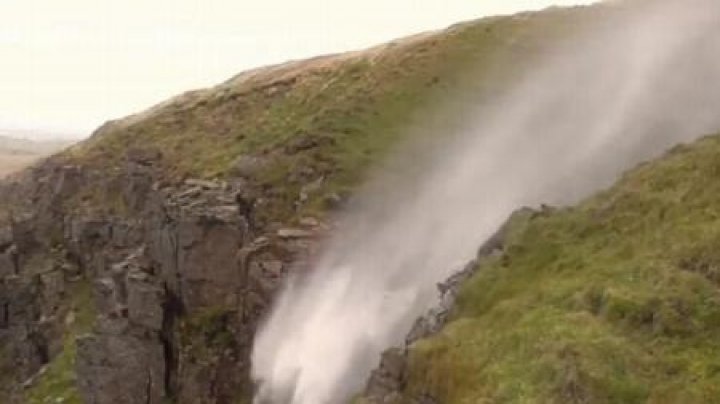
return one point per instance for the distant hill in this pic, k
(17, 152)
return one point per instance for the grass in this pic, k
(333, 118)
(57, 384)
(616, 300)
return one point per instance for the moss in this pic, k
(613, 301)
(207, 332)
(57, 384)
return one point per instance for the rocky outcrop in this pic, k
(123, 361)
(387, 382)
(32, 289)
(181, 273)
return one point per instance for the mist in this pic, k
(624, 91)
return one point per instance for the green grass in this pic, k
(57, 384)
(616, 300)
(356, 109)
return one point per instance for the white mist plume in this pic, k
(627, 90)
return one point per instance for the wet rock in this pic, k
(389, 377)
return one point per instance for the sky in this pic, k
(68, 66)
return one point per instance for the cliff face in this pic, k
(178, 285)
(135, 267)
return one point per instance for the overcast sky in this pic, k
(68, 66)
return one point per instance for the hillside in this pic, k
(612, 301)
(136, 266)
(331, 117)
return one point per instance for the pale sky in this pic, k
(68, 66)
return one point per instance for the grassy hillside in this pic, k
(616, 300)
(331, 117)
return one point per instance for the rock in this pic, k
(387, 382)
(306, 142)
(207, 266)
(69, 180)
(294, 233)
(137, 183)
(190, 193)
(6, 236)
(307, 190)
(389, 377)
(8, 262)
(143, 156)
(145, 302)
(202, 184)
(246, 166)
(106, 299)
(53, 289)
(309, 222)
(333, 200)
(120, 369)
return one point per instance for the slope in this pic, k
(615, 300)
(332, 117)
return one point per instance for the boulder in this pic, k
(246, 166)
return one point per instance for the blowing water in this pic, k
(625, 92)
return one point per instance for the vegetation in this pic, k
(616, 300)
(207, 333)
(331, 118)
(57, 384)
